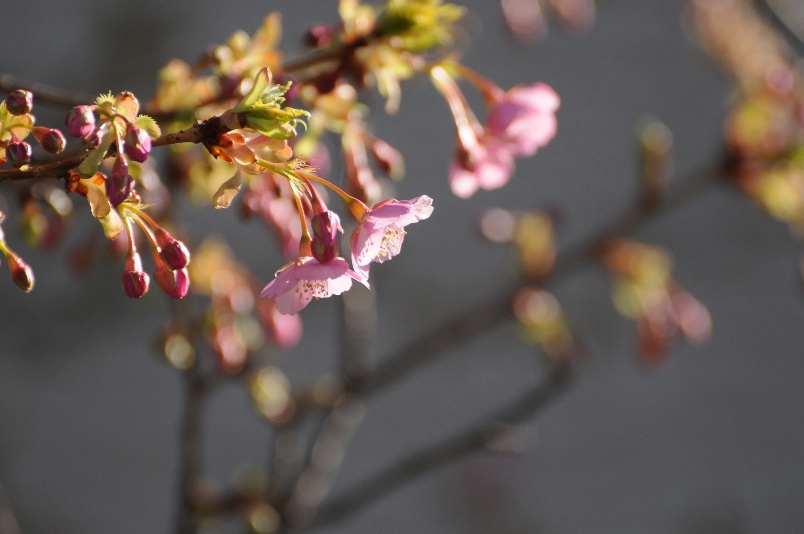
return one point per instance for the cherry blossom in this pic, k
(298, 282)
(524, 118)
(379, 236)
(491, 167)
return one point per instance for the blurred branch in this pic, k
(325, 457)
(779, 12)
(45, 92)
(8, 523)
(487, 314)
(430, 458)
(190, 446)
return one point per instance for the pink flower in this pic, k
(298, 282)
(492, 166)
(524, 118)
(379, 237)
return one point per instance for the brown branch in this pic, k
(203, 132)
(487, 314)
(427, 459)
(47, 93)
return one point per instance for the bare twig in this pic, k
(430, 458)
(44, 92)
(195, 387)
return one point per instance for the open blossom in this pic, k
(298, 282)
(492, 167)
(379, 237)
(524, 118)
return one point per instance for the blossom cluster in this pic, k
(519, 122)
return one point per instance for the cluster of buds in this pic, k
(644, 290)
(21, 272)
(170, 257)
(527, 19)
(519, 122)
(765, 127)
(237, 323)
(118, 124)
(16, 122)
(188, 93)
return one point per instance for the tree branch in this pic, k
(487, 314)
(425, 460)
(47, 93)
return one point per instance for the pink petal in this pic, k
(291, 302)
(285, 281)
(312, 269)
(463, 182)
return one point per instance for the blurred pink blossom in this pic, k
(524, 118)
(492, 165)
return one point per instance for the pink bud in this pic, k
(51, 139)
(19, 153)
(326, 226)
(80, 121)
(171, 250)
(174, 283)
(21, 272)
(135, 283)
(19, 102)
(119, 183)
(138, 143)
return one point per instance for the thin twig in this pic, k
(45, 92)
(324, 459)
(425, 460)
(195, 388)
(201, 132)
(487, 314)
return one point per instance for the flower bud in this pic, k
(21, 272)
(119, 183)
(138, 143)
(135, 280)
(326, 226)
(19, 153)
(19, 102)
(171, 250)
(51, 139)
(80, 121)
(173, 283)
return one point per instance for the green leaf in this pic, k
(90, 165)
(149, 125)
(112, 224)
(261, 83)
(98, 203)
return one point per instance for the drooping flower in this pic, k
(490, 166)
(379, 236)
(524, 118)
(298, 282)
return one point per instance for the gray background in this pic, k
(710, 444)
